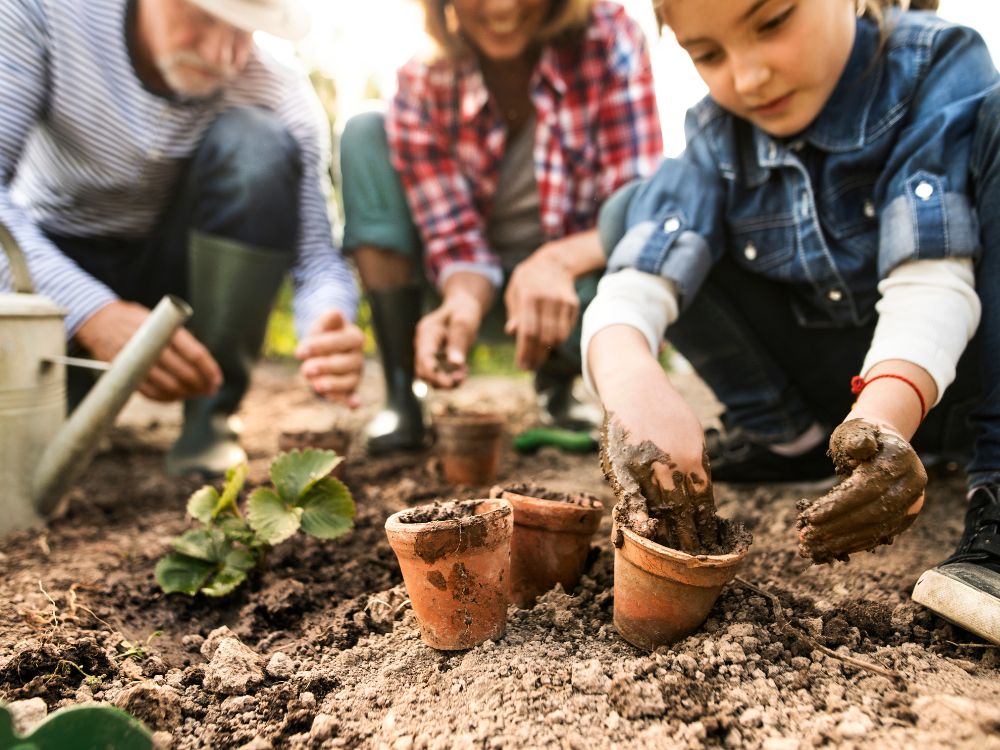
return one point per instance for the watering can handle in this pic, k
(18, 265)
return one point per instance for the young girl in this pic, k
(832, 216)
(500, 149)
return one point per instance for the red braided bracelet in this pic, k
(858, 384)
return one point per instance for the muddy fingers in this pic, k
(878, 500)
(655, 497)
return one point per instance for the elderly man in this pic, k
(150, 147)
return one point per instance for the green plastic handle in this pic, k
(79, 728)
(571, 441)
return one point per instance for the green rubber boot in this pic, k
(232, 286)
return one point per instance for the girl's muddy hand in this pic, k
(880, 497)
(655, 498)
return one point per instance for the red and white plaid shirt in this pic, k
(597, 128)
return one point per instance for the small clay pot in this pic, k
(469, 447)
(455, 559)
(663, 595)
(552, 533)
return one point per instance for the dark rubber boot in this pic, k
(400, 425)
(232, 287)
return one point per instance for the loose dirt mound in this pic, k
(333, 656)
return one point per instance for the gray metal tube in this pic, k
(74, 446)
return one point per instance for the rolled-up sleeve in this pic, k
(923, 194)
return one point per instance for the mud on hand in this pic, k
(681, 517)
(884, 480)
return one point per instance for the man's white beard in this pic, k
(177, 71)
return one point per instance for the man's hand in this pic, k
(332, 358)
(881, 496)
(542, 307)
(185, 368)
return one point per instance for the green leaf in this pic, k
(236, 529)
(236, 477)
(240, 559)
(202, 544)
(87, 727)
(201, 505)
(224, 582)
(270, 517)
(295, 472)
(180, 573)
(328, 509)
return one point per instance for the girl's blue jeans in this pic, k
(776, 378)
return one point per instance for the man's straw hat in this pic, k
(283, 18)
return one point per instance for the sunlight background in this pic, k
(359, 45)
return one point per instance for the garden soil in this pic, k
(321, 650)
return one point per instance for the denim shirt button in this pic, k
(750, 251)
(924, 190)
(671, 225)
(835, 295)
(772, 150)
(869, 209)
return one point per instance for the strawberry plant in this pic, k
(216, 556)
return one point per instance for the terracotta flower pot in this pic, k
(663, 595)
(455, 559)
(552, 533)
(469, 447)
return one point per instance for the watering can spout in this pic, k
(75, 443)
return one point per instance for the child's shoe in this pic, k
(965, 588)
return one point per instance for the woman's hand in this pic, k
(445, 335)
(542, 307)
(881, 496)
(541, 300)
(653, 446)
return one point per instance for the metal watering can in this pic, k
(41, 452)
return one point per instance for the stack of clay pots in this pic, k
(463, 562)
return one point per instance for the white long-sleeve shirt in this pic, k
(87, 151)
(928, 312)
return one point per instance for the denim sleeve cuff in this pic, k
(666, 249)
(492, 272)
(925, 223)
(629, 297)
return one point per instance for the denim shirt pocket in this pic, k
(848, 209)
(765, 244)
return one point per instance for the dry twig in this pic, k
(787, 627)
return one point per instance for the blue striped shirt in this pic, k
(87, 151)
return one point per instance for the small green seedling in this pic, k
(78, 728)
(137, 651)
(216, 557)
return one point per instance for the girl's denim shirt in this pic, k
(880, 177)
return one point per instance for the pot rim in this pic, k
(504, 508)
(677, 557)
(471, 418)
(499, 491)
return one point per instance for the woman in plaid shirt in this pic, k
(490, 167)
